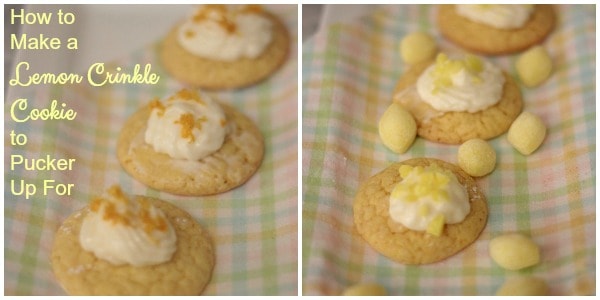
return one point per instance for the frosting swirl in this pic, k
(121, 230)
(468, 84)
(189, 126)
(501, 16)
(426, 194)
(226, 32)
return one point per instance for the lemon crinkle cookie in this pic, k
(122, 245)
(495, 29)
(190, 145)
(455, 99)
(225, 46)
(420, 211)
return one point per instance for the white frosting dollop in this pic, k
(226, 32)
(124, 231)
(189, 126)
(501, 16)
(468, 91)
(416, 214)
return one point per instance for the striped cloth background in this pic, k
(254, 227)
(349, 72)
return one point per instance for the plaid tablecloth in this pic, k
(349, 72)
(254, 227)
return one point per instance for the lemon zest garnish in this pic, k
(405, 170)
(112, 214)
(445, 68)
(95, 204)
(156, 104)
(149, 222)
(418, 182)
(187, 123)
(436, 226)
(117, 193)
(252, 8)
(189, 34)
(218, 13)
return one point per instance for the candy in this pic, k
(514, 251)
(417, 47)
(534, 66)
(397, 128)
(526, 133)
(523, 286)
(436, 226)
(476, 157)
(365, 289)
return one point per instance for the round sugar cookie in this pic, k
(392, 239)
(232, 165)
(205, 73)
(187, 273)
(457, 127)
(493, 41)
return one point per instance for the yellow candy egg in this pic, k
(417, 47)
(523, 286)
(534, 66)
(365, 289)
(397, 128)
(514, 251)
(526, 133)
(476, 157)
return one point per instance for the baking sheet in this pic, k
(254, 227)
(349, 73)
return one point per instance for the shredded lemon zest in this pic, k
(187, 123)
(189, 34)
(156, 104)
(217, 13)
(445, 68)
(431, 181)
(252, 9)
(149, 222)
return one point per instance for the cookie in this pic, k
(457, 127)
(187, 273)
(205, 73)
(406, 246)
(230, 166)
(493, 41)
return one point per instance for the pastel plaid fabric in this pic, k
(349, 72)
(254, 227)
